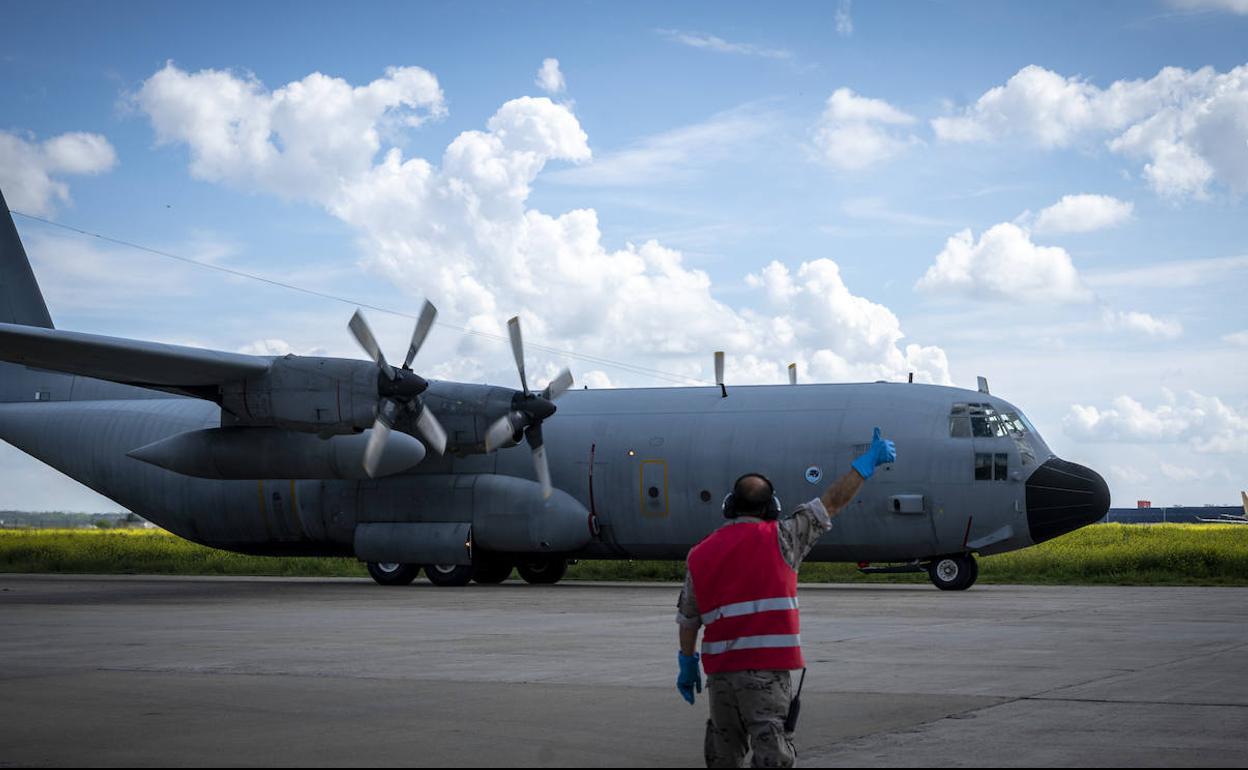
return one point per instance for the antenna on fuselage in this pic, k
(719, 373)
(983, 385)
(911, 380)
(793, 374)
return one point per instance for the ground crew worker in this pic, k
(741, 583)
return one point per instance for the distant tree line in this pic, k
(68, 520)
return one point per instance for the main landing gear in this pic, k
(486, 569)
(392, 574)
(543, 571)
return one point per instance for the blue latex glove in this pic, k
(882, 451)
(690, 675)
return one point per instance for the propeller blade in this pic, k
(558, 386)
(543, 471)
(364, 335)
(423, 325)
(533, 434)
(792, 374)
(378, 438)
(431, 430)
(517, 349)
(719, 367)
(502, 431)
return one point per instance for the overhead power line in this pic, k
(632, 368)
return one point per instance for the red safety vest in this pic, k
(747, 594)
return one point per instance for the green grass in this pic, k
(1108, 554)
(148, 552)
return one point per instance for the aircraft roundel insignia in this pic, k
(813, 474)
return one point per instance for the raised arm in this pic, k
(844, 489)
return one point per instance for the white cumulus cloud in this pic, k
(1181, 473)
(1004, 263)
(1143, 323)
(1239, 7)
(1237, 338)
(298, 141)
(278, 347)
(855, 132)
(844, 18)
(549, 78)
(1204, 423)
(29, 169)
(1082, 214)
(1189, 128)
(844, 336)
(460, 230)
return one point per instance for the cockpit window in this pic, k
(983, 421)
(1014, 423)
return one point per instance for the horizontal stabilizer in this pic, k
(129, 362)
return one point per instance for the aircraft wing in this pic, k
(129, 362)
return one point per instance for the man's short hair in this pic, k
(752, 493)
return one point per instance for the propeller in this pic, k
(398, 389)
(528, 410)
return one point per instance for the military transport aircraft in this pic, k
(309, 455)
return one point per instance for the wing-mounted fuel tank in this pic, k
(496, 513)
(329, 396)
(273, 453)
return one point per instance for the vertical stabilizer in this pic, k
(21, 302)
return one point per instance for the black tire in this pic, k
(956, 572)
(452, 575)
(543, 572)
(390, 574)
(491, 570)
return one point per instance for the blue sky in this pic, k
(1047, 195)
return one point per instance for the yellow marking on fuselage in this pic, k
(294, 510)
(264, 509)
(641, 490)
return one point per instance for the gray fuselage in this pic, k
(647, 468)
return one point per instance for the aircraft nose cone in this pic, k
(1062, 497)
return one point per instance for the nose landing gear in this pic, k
(956, 572)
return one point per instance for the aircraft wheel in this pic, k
(448, 574)
(492, 570)
(392, 574)
(543, 571)
(953, 573)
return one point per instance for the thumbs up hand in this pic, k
(882, 451)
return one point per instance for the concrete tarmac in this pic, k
(148, 671)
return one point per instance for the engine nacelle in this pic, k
(273, 453)
(507, 514)
(467, 411)
(329, 396)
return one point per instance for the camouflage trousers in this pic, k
(748, 709)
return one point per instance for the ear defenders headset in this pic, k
(772, 511)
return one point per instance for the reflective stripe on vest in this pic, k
(751, 643)
(750, 608)
(748, 596)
